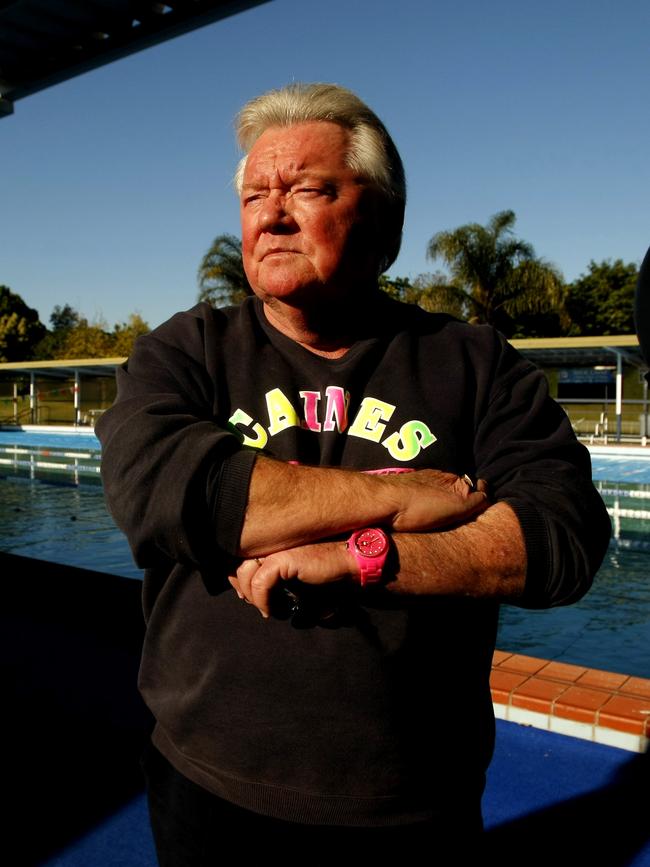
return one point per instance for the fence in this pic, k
(596, 421)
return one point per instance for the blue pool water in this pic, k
(620, 468)
(609, 627)
(47, 440)
(52, 508)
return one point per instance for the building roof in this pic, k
(579, 351)
(543, 351)
(44, 42)
(64, 368)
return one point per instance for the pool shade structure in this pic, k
(57, 371)
(604, 352)
(42, 44)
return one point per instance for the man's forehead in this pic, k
(258, 175)
(318, 147)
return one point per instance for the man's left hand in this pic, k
(320, 563)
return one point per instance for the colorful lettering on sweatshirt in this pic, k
(371, 421)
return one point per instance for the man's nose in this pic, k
(276, 215)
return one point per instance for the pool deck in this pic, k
(71, 429)
(598, 706)
(622, 449)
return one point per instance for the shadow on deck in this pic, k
(73, 722)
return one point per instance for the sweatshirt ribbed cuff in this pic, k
(538, 554)
(230, 497)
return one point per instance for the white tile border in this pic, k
(572, 728)
(526, 717)
(622, 740)
(500, 710)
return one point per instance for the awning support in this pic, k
(33, 398)
(619, 396)
(76, 395)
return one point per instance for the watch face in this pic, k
(371, 543)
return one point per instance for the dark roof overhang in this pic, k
(44, 42)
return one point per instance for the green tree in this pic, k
(429, 291)
(20, 327)
(87, 340)
(496, 276)
(399, 288)
(63, 318)
(73, 336)
(62, 321)
(602, 300)
(221, 277)
(124, 334)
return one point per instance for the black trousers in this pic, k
(194, 828)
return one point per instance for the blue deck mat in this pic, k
(567, 801)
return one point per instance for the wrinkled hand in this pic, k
(321, 563)
(429, 499)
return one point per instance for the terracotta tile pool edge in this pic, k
(599, 706)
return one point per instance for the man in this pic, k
(256, 455)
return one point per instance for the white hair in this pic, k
(372, 152)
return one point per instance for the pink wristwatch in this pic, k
(370, 548)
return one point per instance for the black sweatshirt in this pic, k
(382, 714)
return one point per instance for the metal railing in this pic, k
(596, 421)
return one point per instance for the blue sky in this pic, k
(114, 184)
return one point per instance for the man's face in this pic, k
(304, 238)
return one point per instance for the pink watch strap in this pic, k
(370, 548)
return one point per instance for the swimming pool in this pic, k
(52, 505)
(59, 514)
(609, 627)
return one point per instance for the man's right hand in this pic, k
(431, 498)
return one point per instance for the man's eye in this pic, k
(251, 198)
(309, 191)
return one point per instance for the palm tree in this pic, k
(496, 276)
(221, 277)
(428, 291)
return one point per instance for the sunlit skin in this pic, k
(306, 228)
